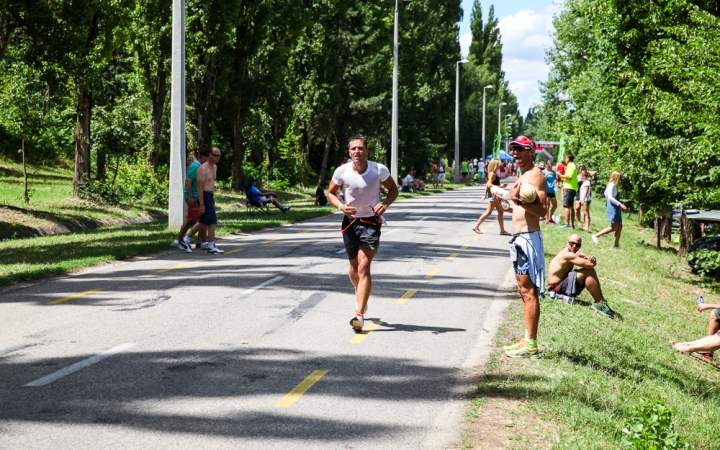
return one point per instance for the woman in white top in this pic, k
(613, 205)
(585, 198)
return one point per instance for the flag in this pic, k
(561, 152)
(496, 146)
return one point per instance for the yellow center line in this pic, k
(70, 297)
(179, 266)
(232, 251)
(367, 329)
(492, 224)
(476, 237)
(298, 391)
(328, 226)
(451, 257)
(303, 232)
(465, 246)
(485, 230)
(271, 240)
(432, 273)
(406, 296)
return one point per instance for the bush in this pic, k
(704, 262)
(651, 427)
(133, 182)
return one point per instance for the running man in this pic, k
(526, 246)
(360, 181)
(206, 175)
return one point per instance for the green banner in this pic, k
(561, 152)
(496, 146)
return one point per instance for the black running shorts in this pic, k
(569, 198)
(361, 232)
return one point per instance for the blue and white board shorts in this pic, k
(527, 253)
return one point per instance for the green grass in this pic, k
(593, 370)
(34, 258)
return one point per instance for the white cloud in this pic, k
(465, 41)
(525, 37)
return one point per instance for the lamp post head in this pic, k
(488, 86)
(463, 61)
(503, 104)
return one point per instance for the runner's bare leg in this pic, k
(531, 304)
(364, 283)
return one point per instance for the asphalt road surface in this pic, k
(253, 348)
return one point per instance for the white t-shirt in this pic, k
(586, 186)
(481, 166)
(362, 191)
(407, 180)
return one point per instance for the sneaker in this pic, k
(204, 245)
(180, 245)
(356, 306)
(187, 240)
(214, 250)
(285, 209)
(616, 247)
(551, 222)
(603, 309)
(199, 245)
(595, 239)
(564, 226)
(524, 351)
(357, 322)
(515, 346)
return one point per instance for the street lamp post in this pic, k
(483, 122)
(394, 143)
(499, 112)
(508, 127)
(176, 204)
(457, 119)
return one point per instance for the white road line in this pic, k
(340, 251)
(262, 285)
(424, 218)
(391, 231)
(80, 365)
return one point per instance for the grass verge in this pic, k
(594, 372)
(34, 258)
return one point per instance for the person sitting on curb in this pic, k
(263, 198)
(408, 183)
(563, 280)
(706, 346)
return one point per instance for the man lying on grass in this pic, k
(709, 344)
(564, 280)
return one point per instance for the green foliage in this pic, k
(133, 183)
(651, 427)
(704, 262)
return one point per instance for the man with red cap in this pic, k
(527, 251)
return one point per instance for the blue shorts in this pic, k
(208, 218)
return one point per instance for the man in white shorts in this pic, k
(442, 168)
(360, 181)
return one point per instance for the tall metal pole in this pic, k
(457, 120)
(394, 144)
(176, 206)
(499, 112)
(483, 122)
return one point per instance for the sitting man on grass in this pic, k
(564, 280)
(704, 346)
(263, 198)
(409, 184)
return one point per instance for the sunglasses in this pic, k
(215, 155)
(575, 244)
(517, 149)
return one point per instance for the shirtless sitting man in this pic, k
(564, 280)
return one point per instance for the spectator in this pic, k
(570, 188)
(259, 198)
(613, 207)
(464, 170)
(469, 177)
(585, 198)
(409, 184)
(550, 178)
(442, 168)
(320, 198)
(562, 279)
(481, 171)
(705, 346)
(435, 174)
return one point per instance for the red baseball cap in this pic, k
(522, 141)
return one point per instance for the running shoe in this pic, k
(357, 322)
(204, 245)
(180, 245)
(198, 245)
(515, 346)
(187, 240)
(595, 239)
(214, 250)
(356, 306)
(603, 309)
(524, 351)
(285, 209)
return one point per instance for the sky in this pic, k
(526, 29)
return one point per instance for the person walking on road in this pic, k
(360, 182)
(613, 208)
(493, 180)
(441, 173)
(527, 251)
(190, 191)
(206, 175)
(570, 188)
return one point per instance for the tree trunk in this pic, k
(82, 139)
(689, 231)
(156, 118)
(25, 189)
(326, 154)
(272, 154)
(100, 170)
(238, 150)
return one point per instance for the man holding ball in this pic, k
(527, 251)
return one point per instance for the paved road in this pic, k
(253, 349)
